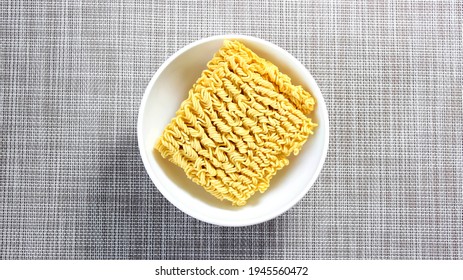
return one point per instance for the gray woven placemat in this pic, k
(72, 184)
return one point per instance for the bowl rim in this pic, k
(271, 214)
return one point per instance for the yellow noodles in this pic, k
(241, 121)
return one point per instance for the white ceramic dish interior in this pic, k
(170, 86)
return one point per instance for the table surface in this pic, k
(72, 183)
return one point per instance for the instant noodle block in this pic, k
(240, 122)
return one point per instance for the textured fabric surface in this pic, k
(72, 184)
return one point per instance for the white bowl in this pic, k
(170, 86)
